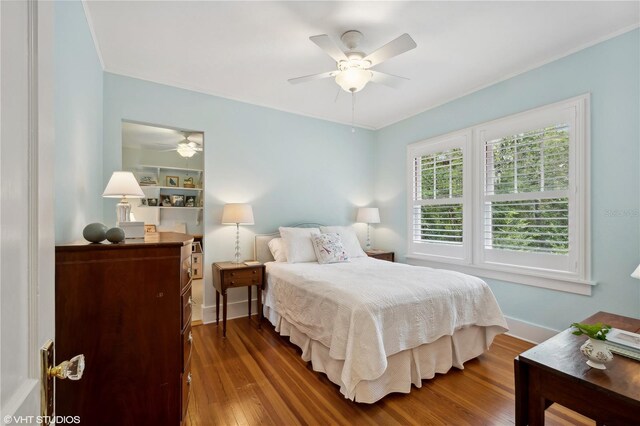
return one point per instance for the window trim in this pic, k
(580, 239)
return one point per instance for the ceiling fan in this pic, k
(354, 67)
(189, 146)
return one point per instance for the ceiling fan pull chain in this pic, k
(353, 112)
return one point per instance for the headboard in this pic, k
(261, 251)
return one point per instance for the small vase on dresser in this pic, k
(597, 352)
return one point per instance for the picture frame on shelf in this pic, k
(165, 200)
(147, 179)
(150, 229)
(143, 201)
(152, 202)
(190, 201)
(188, 182)
(172, 181)
(177, 200)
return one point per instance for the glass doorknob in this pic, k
(71, 369)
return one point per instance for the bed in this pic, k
(376, 327)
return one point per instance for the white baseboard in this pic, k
(234, 310)
(529, 332)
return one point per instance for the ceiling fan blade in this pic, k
(390, 80)
(395, 47)
(195, 138)
(312, 77)
(325, 43)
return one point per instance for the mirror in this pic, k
(169, 165)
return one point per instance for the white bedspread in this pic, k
(369, 309)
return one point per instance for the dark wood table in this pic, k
(556, 371)
(228, 275)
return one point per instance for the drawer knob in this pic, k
(190, 338)
(232, 274)
(189, 379)
(233, 282)
(254, 272)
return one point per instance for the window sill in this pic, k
(564, 284)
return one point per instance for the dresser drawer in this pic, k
(196, 266)
(185, 266)
(187, 345)
(186, 307)
(186, 388)
(242, 277)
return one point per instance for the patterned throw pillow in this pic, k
(329, 248)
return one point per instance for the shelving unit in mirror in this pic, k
(172, 195)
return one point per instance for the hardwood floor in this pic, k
(256, 377)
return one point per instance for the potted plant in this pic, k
(595, 348)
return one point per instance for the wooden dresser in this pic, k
(127, 308)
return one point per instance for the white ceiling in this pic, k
(136, 135)
(248, 50)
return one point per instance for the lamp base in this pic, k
(123, 211)
(237, 256)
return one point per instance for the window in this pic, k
(438, 198)
(522, 208)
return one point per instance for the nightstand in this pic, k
(381, 254)
(231, 275)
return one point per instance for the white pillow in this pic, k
(329, 248)
(349, 239)
(276, 247)
(297, 244)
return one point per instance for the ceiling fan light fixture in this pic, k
(353, 79)
(185, 150)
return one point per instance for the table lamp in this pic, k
(636, 273)
(368, 215)
(123, 185)
(237, 214)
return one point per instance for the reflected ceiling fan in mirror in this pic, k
(354, 67)
(189, 146)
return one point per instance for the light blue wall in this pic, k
(78, 123)
(291, 168)
(610, 71)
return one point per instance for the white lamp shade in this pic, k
(368, 215)
(123, 185)
(636, 273)
(353, 79)
(237, 213)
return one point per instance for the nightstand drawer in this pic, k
(382, 255)
(242, 277)
(186, 307)
(187, 346)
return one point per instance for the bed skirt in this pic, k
(403, 369)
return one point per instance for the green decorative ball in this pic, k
(115, 235)
(95, 232)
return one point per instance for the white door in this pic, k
(26, 202)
